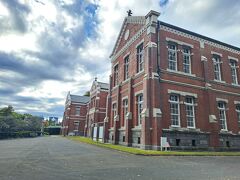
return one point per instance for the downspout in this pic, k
(158, 51)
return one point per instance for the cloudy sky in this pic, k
(50, 47)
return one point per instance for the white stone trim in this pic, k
(221, 99)
(138, 74)
(219, 54)
(137, 84)
(182, 73)
(202, 44)
(236, 102)
(157, 112)
(232, 58)
(125, 81)
(136, 19)
(125, 97)
(203, 58)
(127, 54)
(182, 93)
(179, 42)
(168, 29)
(198, 87)
(138, 92)
(129, 43)
(219, 81)
(140, 42)
(114, 102)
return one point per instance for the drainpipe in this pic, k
(158, 53)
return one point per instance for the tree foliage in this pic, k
(13, 122)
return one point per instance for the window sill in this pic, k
(126, 81)
(115, 87)
(122, 128)
(182, 73)
(139, 74)
(218, 81)
(137, 128)
(235, 85)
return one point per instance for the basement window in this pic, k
(178, 142)
(194, 142)
(139, 140)
(123, 139)
(227, 143)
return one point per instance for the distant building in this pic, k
(53, 120)
(97, 109)
(74, 117)
(170, 82)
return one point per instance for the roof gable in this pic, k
(133, 23)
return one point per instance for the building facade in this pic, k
(74, 117)
(96, 110)
(169, 82)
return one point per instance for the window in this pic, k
(189, 104)
(76, 125)
(178, 142)
(139, 140)
(238, 113)
(140, 58)
(139, 108)
(175, 110)
(125, 109)
(114, 109)
(126, 65)
(115, 75)
(222, 115)
(193, 142)
(233, 65)
(187, 60)
(217, 68)
(78, 111)
(172, 57)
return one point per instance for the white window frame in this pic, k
(77, 111)
(125, 110)
(114, 109)
(139, 103)
(176, 103)
(217, 68)
(140, 58)
(233, 65)
(222, 115)
(238, 113)
(190, 115)
(116, 75)
(172, 52)
(187, 54)
(126, 67)
(76, 125)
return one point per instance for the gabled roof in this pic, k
(104, 86)
(77, 98)
(129, 19)
(99, 85)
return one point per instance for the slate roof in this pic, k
(103, 85)
(79, 99)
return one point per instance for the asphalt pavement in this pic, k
(57, 158)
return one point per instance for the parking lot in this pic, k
(58, 158)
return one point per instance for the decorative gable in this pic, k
(130, 26)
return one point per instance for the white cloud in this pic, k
(17, 42)
(3, 11)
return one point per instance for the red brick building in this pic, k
(97, 110)
(170, 82)
(74, 116)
